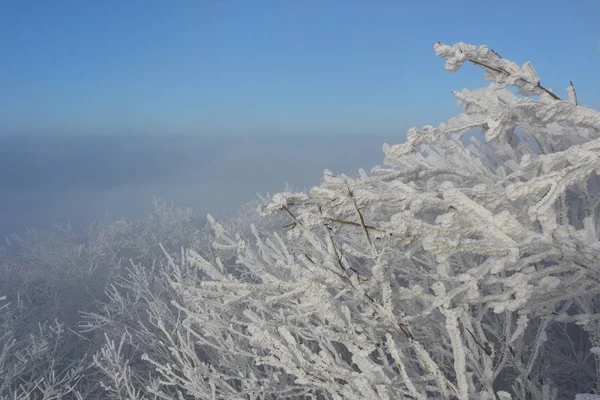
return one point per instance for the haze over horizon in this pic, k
(62, 179)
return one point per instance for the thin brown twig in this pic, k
(292, 216)
(360, 216)
(291, 225)
(503, 71)
(478, 344)
(340, 221)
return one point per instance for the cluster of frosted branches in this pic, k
(49, 277)
(149, 351)
(455, 271)
(35, 366)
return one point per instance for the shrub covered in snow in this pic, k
(455, 270)
(460, 269)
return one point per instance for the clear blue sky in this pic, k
(270, 67)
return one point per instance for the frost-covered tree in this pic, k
(458, 270)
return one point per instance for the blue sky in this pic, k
(270, 67)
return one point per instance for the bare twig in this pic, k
(487, 351)
(292, 216)
(340, 221)
(360, 216)
(291, 225)
(503, 71)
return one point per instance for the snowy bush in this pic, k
(456, 271)
(465, 267)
